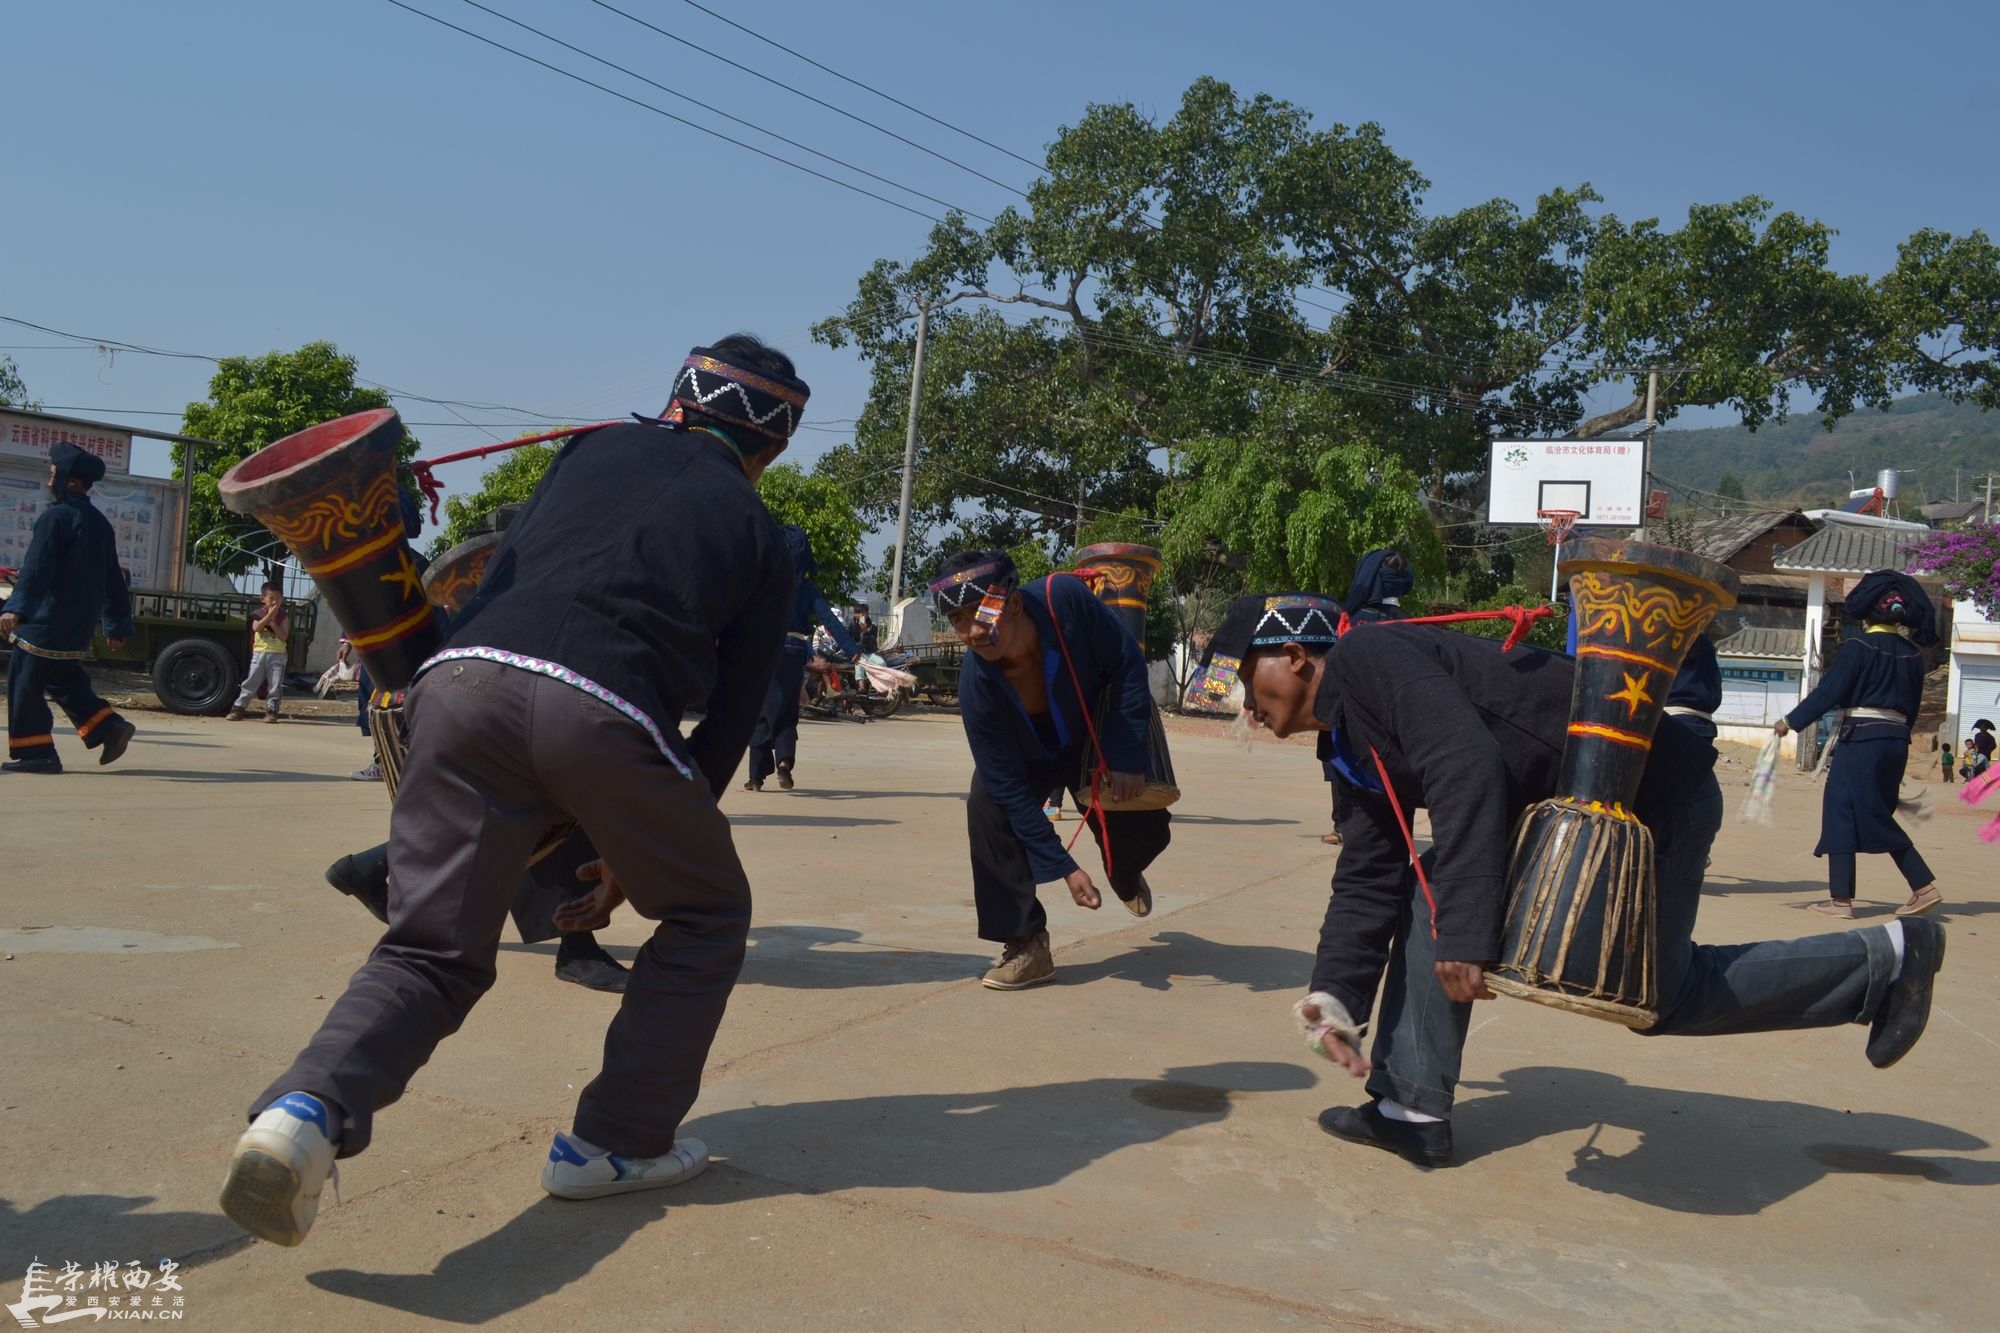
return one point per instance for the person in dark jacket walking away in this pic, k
(644, 578)
(1047, 665)
(69, 583)
(1474, 734)
(1878, 677)
(774, 746)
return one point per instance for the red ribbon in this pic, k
(433, 489)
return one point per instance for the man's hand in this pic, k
(1082, 891)
(1332, 1045)
(1463, 982)
(1127, 786)
(9, 622)
(1781, 727)
(593, 910)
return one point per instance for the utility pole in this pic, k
(909, 457)
(1987, 517)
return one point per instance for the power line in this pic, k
(866, 87)
(716, 110)
(662, 111)
(796, 92)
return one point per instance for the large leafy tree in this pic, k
(1191, 280)
(252, 401)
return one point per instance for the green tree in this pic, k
(13, 393)
(1176, 281)
(832, 524)
(252, 401)
(510, 481)
(1729, 487)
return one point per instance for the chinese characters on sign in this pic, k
(25, 436)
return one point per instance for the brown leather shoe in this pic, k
(1023, 963)
(1840, 909)
(1135, 893)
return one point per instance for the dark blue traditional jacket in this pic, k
(809, 608)
(1872, 670)
(1020, 763)
(70, 582)
(646, 564)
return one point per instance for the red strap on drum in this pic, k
(1103, 769)
(433, 489)
(1409, 838)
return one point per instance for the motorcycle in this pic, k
(836, 686)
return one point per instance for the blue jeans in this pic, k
(1706, 990)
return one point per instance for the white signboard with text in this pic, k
(23, 435)
(1602, 481)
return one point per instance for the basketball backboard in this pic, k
(1604, 481)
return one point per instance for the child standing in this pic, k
(1949, 776)
(268, 630)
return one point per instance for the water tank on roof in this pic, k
(1887, 481)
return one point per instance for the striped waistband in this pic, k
(1676, 710)
(1878, 715)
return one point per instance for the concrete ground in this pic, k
(897, 1148)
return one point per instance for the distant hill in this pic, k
(1801, 463)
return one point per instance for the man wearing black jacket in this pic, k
(1473, 734)
(643, 578)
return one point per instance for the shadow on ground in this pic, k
(1704, 1152)
(90, 1228)
(998, 1141)
(1176, 957)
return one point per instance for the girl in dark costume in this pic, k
(1878, 677)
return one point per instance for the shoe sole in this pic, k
(1943, 940)
(259, 1196)
(618, 989)
(1907, 910)
(1043, 980)
(785, 782)
(1139, 904)
(609, 1187)
(1427, 1160)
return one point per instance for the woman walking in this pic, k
(1878, 677)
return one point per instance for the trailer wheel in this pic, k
(195, 677)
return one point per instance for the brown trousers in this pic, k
(497, 755)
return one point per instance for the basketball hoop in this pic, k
(1559, 525)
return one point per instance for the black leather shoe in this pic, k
(1135, 893)
(1907, 1007)
(1425, 1145)
(364, 877)
(114, 745)
(31, 766)
(593, 972)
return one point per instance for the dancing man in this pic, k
(643, 578)
(1878, 677)
(774, 746)
(1423, 718)
(1048, 667)
(69, 581)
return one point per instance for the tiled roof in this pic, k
(1788, 644)
(1836, 549)
(1722, 538)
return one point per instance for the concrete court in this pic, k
(897, 1148)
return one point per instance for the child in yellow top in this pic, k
(269, 630)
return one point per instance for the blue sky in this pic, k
(231, 176)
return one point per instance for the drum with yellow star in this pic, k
(1582, 929)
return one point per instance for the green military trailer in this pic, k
(197, 645)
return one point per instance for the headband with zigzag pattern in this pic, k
(759, 401)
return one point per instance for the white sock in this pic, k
(1394, 1110)
(588, 1149)
(1895, 932)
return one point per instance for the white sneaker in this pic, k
(281, 1164)
(574, 1174)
